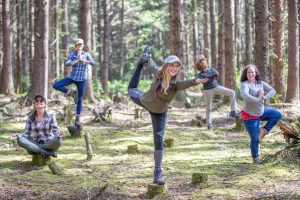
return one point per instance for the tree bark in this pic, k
(205, 33)
(41, 31)
(85, 33)
(7, 86)
(221, 43)
(19, 63)
(261, 37)
(248, 43)
(293, 53)
(229, 44)
(104, 66)
(65, 32)
(213, 51)
(278, 72)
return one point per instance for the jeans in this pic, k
(252, 126)
(158, 119)
(33, 147)
(60, 85)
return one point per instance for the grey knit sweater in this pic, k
(250, 93)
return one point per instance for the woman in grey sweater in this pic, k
(254, 92)
(212, 88)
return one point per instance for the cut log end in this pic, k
(132, 149)
(75, 131)
(154, 190)
(200, 179)
(169, 143)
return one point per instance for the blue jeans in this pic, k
(252, 126)
(158, 119)
(60, 85)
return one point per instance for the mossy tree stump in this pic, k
(200, 179)
(55, 169)
(38, 160)
(239, 125)
(75, 131)
(132, 149)
(154, 190)
(169, 143)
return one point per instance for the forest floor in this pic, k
(223, 153)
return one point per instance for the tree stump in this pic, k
(200, 179)
(88, 144)
(55, 169)
(137, 113)
(75, 131)
(132, 149)
(169, 143)
(154, 190)
(199, 121)
(38, 160)
(239, 125)
(103, 114)
(68, 112)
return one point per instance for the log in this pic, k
(169, 143)
(55, 169)
(154, 190)
(75, 131)
(38, 160)
(200, 179)
(67, 112)
(132, 149)
(198, 121)
(137, 113)
(239, 124)
(88, 144)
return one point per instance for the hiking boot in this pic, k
(234, 114)
(209, 126)
(256, 161)
(77, 121)
(158, 179)
(146, 55)
(74, 95)
(262, 133)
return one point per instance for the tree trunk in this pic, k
(40, 75)
(85, 33)
(221, 43)
(261, 37)
(175, 22)
(205, 33)
(19, 48)
(65, 31)
(213, 51)
(195, 34)
(293, 53)
(52, 45)
(106, 30)
(229, 44)
(6, 86)
(122, 40)
(248, 43)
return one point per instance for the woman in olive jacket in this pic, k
(157, 99)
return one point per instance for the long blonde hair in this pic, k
(165, 78)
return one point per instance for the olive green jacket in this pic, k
(155, 100)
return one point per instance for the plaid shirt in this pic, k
(79, 70)
(41, 132)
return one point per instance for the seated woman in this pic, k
(41, 134)
(212, 88)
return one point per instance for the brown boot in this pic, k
(262, 133)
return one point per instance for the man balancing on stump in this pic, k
(78, 60)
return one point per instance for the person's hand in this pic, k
(61, 134)
(204, 80)
(14, 136)
(261, 94)
(79, 55)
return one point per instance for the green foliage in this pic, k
(276, 98)
(121, 86)
(25, 83)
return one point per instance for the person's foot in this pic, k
(256, 161)
(146, 55)
(262, 133)
(74, 95)
(209, 126)
(158, 178)
(234, 114)
(77, 121)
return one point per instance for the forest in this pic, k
(95, 161)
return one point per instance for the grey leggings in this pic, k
(34, 147)
(219, 90)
